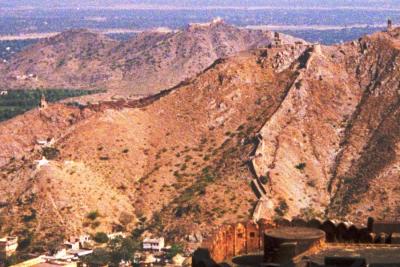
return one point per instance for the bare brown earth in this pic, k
(327, 119)
(146, 64)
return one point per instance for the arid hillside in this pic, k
(146, 64)
(293, 130)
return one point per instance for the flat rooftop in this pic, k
(295, 233)
(373, 253)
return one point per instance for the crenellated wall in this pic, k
(236, 239)
(247, 237)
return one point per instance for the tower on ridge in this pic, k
(389, 25)
(43, 102)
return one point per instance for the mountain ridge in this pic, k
(143, 65)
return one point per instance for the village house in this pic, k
(84, 240)
(77, 242)
(74, 245)
(153, 244)
(8, 246)
(72, 249)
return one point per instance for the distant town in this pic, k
(19, 29)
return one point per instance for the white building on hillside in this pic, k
(154, 244)
(8, 246)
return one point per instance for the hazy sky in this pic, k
(108, 3)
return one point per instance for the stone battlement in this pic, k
(244, 238)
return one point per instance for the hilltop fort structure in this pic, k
(389, 25)
(43, 102)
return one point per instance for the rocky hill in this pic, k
(301, 130)
(143, 65)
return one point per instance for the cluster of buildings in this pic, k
(154, 252)
(25, 77)
(67, 255)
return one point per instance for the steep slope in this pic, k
(337, 133)
(366, 178)
(304, 130)
(145, 64)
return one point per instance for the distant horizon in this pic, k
(110, 4)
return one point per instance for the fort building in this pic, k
(284, 243)
(389, 25)
(301, 243)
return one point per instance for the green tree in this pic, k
(122, 249)
(93, 215)
(100, 237)
(175, 249)
(12, 260)
(99, 257)
(300, 166)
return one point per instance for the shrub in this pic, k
(93, 215)
(283, 208)
(180, 211)
(311, 183)
(265, 178)
(300, 166)
(95, 224)
(99, 257)
(122, 249)
(25, 242)
(31, 217)
(61, 62)
(203, 140)
(175, 249)
(100, 237)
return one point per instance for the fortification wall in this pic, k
(248, 237)
(235, 239)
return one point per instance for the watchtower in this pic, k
(43, 102)
(277, 39)
(389, 25)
